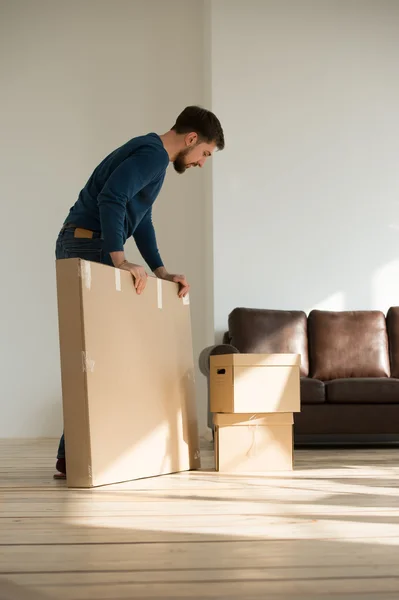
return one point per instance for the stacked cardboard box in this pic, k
(127, 376)
(253, 398)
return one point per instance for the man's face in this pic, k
(194, 155)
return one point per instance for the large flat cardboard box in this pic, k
(253, 443)
(127, 376)
(255, 383)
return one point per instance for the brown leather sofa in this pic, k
(349, 372)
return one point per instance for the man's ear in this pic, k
(191, 139)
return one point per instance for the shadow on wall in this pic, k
(49, 418)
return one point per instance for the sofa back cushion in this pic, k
(348, 344)
(255, 331)
(393, 337)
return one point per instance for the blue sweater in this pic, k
(117, 200)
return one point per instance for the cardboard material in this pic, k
(261, 383)
(253, 419)
(253, 443)
(127, 376)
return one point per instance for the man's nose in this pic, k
(201, 162)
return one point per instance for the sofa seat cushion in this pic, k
(261, 331)
(312, 391)
(368, 390)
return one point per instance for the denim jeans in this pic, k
(89, 249)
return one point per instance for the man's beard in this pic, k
(179, 163)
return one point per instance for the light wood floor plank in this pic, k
(330, 529)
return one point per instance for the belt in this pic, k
(80, 232)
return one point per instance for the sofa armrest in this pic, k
(204, 357)
(226, 338)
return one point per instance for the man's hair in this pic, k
(201, 121)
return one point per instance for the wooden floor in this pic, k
(330, 529)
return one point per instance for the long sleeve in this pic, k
(131, 176)
(145, 238)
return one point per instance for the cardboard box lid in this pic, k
(247, 419)
(256, 360)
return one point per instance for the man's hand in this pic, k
(184, 286)
(139, 275)
(138, 272)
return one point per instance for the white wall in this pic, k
(78, 79)
(306, 194)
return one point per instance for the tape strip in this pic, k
(191, 375)
(159, 292)
(85, 272)
(118, 284)
(87, 363)
(186, 300)
(253, 450)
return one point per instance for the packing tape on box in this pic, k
(87, 363)
(159, 292)
(254, 416)
(191, 375)
(253, 450)
(186, 300)
(85, 273)
(118, 284)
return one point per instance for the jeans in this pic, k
(88, 249)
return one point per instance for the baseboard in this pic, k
(353, 439)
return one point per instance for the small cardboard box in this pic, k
(127, 376)
(256, 383)
(253, 443)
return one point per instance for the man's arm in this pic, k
(146, 241)
(125, 182)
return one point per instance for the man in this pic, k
(117, 200)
